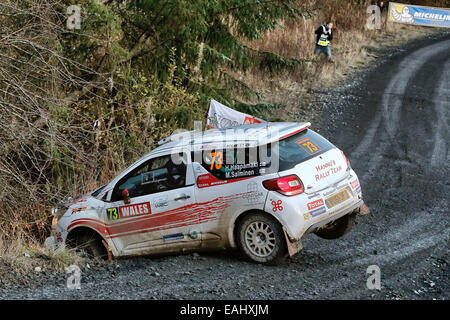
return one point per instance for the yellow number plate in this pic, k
(337, 199)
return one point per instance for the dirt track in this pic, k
(393, 123)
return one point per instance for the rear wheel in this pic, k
(261, 239)
(337, 228)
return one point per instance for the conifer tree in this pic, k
(209, 39)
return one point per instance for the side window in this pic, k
(156, 175)
(232, 163)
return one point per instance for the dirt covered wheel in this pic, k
(91, 245)
(261, 239)
(337, 228)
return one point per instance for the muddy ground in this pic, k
(392, 121)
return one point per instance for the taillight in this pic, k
(346, 159)
(288, 186)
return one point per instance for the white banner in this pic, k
(221, 116)
(412, 14)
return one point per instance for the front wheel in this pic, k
(90, 245)
(261, 239)
(337, 228)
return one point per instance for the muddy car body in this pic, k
(258, 187)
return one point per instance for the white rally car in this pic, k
(259, 187)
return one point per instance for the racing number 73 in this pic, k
(308, 146)
(311, 146)
(217, 159)
(112, 213)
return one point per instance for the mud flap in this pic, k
(107, 250)
(363, 210)
(293, 247)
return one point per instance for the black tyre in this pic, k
(261, 239)
(337, 228)
(90, 244)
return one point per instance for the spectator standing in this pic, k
(323, 39)
(383, 5)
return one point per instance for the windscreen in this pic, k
(97, 192)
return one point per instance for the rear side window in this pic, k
(225, 164)
(301, 147)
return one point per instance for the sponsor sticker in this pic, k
(315, 204)
(78, 210)
(133, 210)
(253, 194)
(277, 206)
(173, 237)
(208, 180)
(355, 184)
(318, 211)
(251, 120)
(315, 208)
(419, 15)
(161, 202)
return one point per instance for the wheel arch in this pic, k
(75, 233)
(240, 217)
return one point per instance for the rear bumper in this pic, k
(358, 208)
(363, 210)
(295, 245)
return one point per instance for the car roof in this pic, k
(251, 135)
(267, 132)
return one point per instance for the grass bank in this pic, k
(353, 49)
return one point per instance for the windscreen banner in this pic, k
(419, 15)
(221, 116)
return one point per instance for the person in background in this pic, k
(382, 6)
(323, 39)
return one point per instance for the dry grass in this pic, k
(350, 49)
(24, 256)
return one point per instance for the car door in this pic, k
(160, 213)
(226, 185)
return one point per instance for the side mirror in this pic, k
(126, 196)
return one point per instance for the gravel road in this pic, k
(392, 121)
